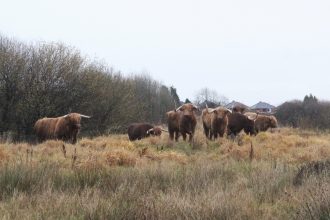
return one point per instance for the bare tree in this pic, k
(210, 95)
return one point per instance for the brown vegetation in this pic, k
(280, 175)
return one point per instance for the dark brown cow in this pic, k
(138, 131)
(263, 122)
(65, 128)
(215, 121)
(237, 122)
(182, 120)
(238, 109)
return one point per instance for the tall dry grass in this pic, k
(280, 175)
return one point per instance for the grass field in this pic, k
(279, 175)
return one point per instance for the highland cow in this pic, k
(215, 121)
(263, 122)
(138, 131)
(237, 122)
(64, 128)
(238, 109)
(182, 120)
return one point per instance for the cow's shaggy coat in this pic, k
(215, 122)
(263, 122)
(138, 131)
(237, 122)
(64, 128)
(182, 120)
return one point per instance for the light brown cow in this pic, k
(215, 121)
(263, 122)
(182, 120)
(65, 128)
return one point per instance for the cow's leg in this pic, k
(191, 135)
(184, 135)
(206, 131)
(215, 135)
(176, 136)
(171, 134)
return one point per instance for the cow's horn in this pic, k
(178, 108)
(85, 116)
(164, 130)
(210, 111)
(229, 110)
(252, 119)
(149, 130)
(206, 105)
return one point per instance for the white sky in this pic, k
(248, 51)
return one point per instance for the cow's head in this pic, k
(187, 109)
(219, 112)
(74, 119)
(238, 109)
(272, 122)
(156, 131)
(249, 126)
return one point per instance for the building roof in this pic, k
(209, 104)
(234, 103)
(262, 105)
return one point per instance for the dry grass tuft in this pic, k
(3, 155)
(121, 157)
(53, 144)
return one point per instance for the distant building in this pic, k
(209, 104)
(202, 106)
(263, 107)
(234, 104)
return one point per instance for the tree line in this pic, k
(40, 79)
(309, 113)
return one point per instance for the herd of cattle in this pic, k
(182, 121)
(218, 121)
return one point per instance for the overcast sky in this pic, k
(248, 51)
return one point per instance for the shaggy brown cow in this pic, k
(65, 128)
(263, 122)
(238, 109)
(182, 120)
(215, 121)
(138, 131)
(237, 122)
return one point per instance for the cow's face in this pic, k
(238, 109)
(188, 109)
(75, 120)
(156, 131)
(220, 113)
(272, 122)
